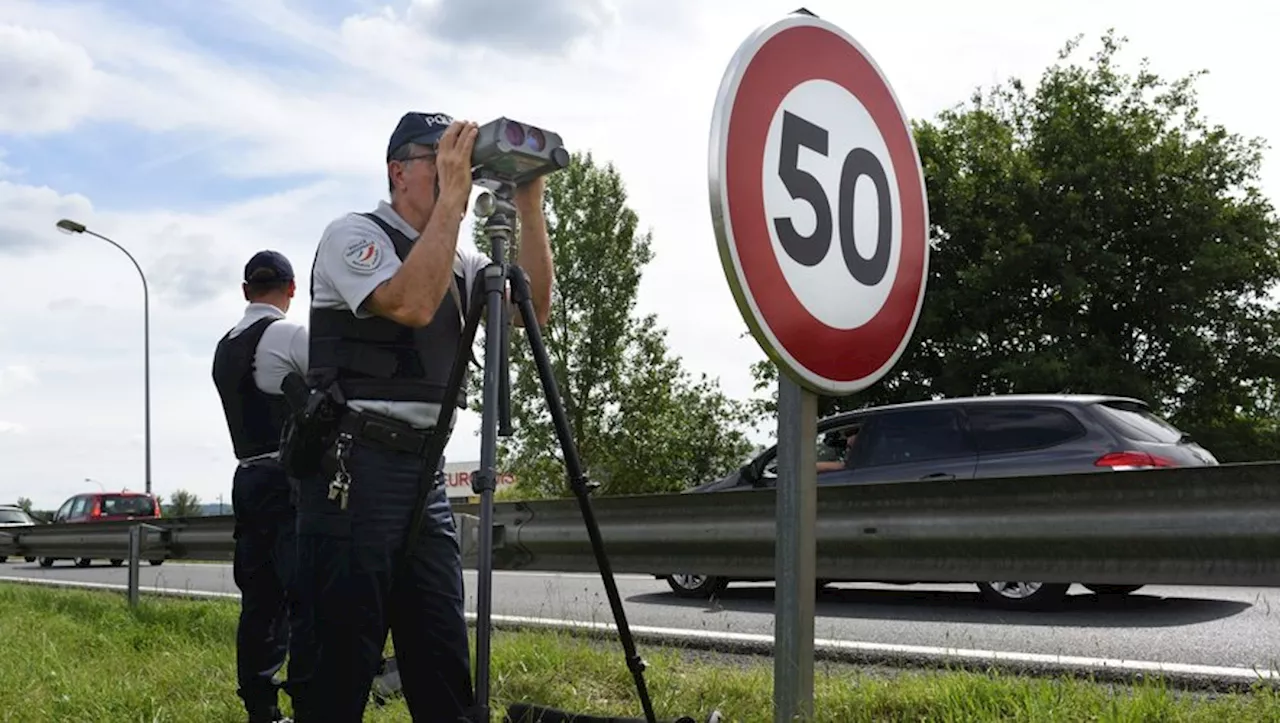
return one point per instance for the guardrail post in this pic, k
(135, 552)
(135, 557)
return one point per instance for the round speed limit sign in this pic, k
(819, 205)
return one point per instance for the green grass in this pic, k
(74, 655)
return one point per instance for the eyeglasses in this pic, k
(406, 159)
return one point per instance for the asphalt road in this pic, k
(1227, 627)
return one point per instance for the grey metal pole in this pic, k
(74, 227)
(795, 559)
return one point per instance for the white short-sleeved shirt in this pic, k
(282, 348)
(354, 257)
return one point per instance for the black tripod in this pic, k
(499, 210)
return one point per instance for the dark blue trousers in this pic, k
(263, 567)
(346, 563)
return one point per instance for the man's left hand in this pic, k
(528, 196)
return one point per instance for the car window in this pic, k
(80, 508)
(829, 446)
(65, 510)
(918, 435)
(127, 505)
(999, 429)
(10, 517)
(1138, 423)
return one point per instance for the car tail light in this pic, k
(1133, 460)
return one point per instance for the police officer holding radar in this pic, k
(249, 365)
(390, 290)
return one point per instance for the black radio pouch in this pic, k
(312, 425)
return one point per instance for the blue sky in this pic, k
(198, 133)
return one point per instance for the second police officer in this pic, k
(249, 366)
(388, 303)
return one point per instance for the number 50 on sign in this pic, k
(819, 205)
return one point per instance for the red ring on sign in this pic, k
(837, 354)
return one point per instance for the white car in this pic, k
(15, 516)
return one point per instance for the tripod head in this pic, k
(498, 209)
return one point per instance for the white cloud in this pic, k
(632, 81)
(15, 376)
(515, 26)
(28, 214)
(48, 84)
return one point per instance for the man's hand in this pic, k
(453, 162)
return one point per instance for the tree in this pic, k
(640, 421)
(1097, 234)
(184, 504)
(25, 504)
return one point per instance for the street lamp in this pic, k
(70, 226)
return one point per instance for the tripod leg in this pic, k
(387, 684)
(578, 480)
(486, 480)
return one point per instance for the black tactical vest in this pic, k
(377, 358)
(254, 417)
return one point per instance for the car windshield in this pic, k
(127, 505)
(9, 517)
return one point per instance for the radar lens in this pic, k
(515, 134)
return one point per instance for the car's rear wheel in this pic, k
(697, 586)
(83, 562)
(1108, 590)
(157, 562)
(116, 562)
(46, 562)
(1023, 595)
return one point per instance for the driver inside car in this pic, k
(846, 459)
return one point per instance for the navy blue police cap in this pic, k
(268, 267)
(424, 128)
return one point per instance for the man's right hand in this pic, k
(453, 159)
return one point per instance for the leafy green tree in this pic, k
(25, 504)
(640, 421)
(1098, 234)
(184, 504)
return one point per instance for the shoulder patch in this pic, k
(363, 254)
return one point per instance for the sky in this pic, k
(195, 134)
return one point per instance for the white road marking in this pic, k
(496, 573)
(719, 638)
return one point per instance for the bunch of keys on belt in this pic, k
(341, 483)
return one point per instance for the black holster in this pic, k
(312, 425)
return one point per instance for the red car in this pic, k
(106, 507)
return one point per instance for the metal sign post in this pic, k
(819, 207)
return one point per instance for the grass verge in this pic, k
(84, 655)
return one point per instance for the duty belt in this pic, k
(385, 432)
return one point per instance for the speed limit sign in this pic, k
(819, 206)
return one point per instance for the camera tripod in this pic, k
(498, 209)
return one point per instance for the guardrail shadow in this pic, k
(1080, 609)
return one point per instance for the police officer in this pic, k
(248, 366)
(388, 303)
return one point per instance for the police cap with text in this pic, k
(424, 128)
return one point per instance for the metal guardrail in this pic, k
(1194, 526)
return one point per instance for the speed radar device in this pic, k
(510, 152)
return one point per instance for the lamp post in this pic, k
(70, 226)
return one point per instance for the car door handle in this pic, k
(939, 475)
